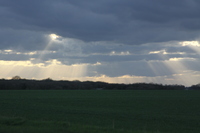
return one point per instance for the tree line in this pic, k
(16, 83)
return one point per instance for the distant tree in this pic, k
(195, 87)
(48, 79)
(16, 78)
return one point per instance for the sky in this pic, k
(115, 41)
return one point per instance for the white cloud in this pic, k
(179, 59)
(119, 53)
(190, 43)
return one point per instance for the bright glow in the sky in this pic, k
(190, 43)
(53, 69)
(178, 59)
(158, 52)
(54, 36)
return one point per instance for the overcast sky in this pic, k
(116, 41)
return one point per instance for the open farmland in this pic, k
(36, 111)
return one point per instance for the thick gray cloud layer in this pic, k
(110, 37)
(128, 22)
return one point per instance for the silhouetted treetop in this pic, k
(48, 84)
(16, 78)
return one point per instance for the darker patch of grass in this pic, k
(12, 121)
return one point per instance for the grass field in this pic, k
(99, 111)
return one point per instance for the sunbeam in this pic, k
(172, 67)
(180, 71)
(51, 39)
(194, 45)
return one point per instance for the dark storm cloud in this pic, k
(22, 40)
(13, 57)
(127, 22)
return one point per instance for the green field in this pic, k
(99, 111)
